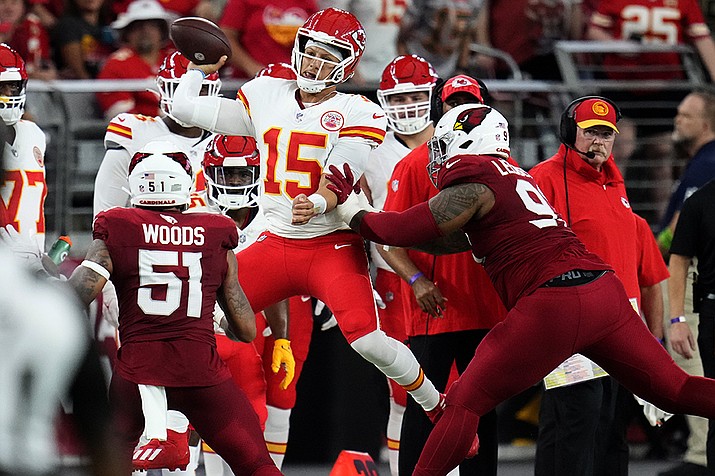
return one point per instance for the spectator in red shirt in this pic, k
(24, 32)
(262, 32)
(144, 32)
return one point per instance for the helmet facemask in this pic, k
(437, 148)
(409, 118)
(12, 99)
(339, 49)
(232, 187)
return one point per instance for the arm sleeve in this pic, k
(111, 184)
(212, 113)
(354, 152)
(413, 226)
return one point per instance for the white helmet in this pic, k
(469, 129)
(160, 175)
(407, 74)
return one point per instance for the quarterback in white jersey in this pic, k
(23, 191)
(302, 126)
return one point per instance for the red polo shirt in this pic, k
(600, 215)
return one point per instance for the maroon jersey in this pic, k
(522, 242)
(167, 267)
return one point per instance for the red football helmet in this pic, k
(407, 74)
(277, 70)
(13, 80)
(172, 69)
(232, 171)
(341, 32)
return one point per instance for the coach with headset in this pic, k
(583, 183)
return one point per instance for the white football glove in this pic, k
(356, 202)
(654, 415)
(23, 246)
(378, 299)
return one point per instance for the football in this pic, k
(199, 39)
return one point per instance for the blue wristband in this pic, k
(675, 320)
(415, 277)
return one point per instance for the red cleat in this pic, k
(171, 454)
(436, 413)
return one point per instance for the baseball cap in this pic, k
(595, 112)
(142, 10)
(462, 84)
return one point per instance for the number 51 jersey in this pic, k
(167, 268)
(295, 142)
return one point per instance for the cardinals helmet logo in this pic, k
(470, 119)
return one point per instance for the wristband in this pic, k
(200, 71)
(319, 203)
(675, 320)
(415, 277)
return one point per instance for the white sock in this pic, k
(394, 426)
(176, 421)
(276, 433)
(154, 407)
(214, 465)
(397, 362)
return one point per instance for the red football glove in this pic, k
(342, 184)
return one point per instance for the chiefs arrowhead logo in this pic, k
(471, 118)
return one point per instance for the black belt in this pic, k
(575, 277)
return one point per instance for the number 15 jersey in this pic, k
(295, 143)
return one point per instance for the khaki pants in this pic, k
(698, 426)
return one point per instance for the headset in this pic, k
(567, 126)
(567, 136)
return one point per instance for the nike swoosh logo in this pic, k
(120, 119)
(449, 165)
(377, 116)
(337, 247)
